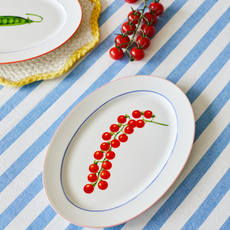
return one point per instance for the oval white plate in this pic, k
(61, 19)
(144, 167)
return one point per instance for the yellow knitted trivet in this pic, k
(85, 38)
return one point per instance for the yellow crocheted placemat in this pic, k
(59, 61)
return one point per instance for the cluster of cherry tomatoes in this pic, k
(120, 133)
(140, 22)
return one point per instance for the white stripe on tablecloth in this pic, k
(6, 94)
(161, 38)
(105, 4)
(192, 39)
(220, 214)
(199, 192)
(29, 213)
(14, 189)
(200, 147)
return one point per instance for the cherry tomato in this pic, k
(148, 114)
(115, 143)
(128, 129)
(137, 53)
(144, 42)
(98, 155)
(134, 16)
(128, 28)
(106, 165)
(136, 114)
(123, 138)
(140, 123)
(131, 1)
(88, 188)
(92, 177)
(102, 185)
(150, 19)
(105, 174)
(122, 42)
(148, 30)
(104, 146)
(114, 128)
(93, 168)
(106, 136)
(132, 123)
(121, 119)
(110, 155)
(156, 7)
(116, 53)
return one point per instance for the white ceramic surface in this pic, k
(61, 19)
(144, 167)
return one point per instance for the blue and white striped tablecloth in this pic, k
(191, 48)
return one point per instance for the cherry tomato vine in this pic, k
(118, 134)
(139, 22)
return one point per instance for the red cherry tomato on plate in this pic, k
(122, 42)
(98, 155)
(106, 165)
(121, 119)
(116, 53)
(132, 123)
(148, 30)
(156, 7)
(136, 114)
(123, 138)
(137, 53)
(115, 143)
(104, 146)
(128, 28)
(106, 136)
(102, 185)
(148, 114)
(134, 16)
(144, 42)
(140, 123)
(110, 155)
(92, 177)
(93, 168)
(114, 128)
(129, 129)
(88, 188)
(105, 174)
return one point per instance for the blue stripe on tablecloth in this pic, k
(190, 181)
(16, 99)
(211, 112)
(43, 219)
(199, 48)
(209, 203)
(209, 74)
(109, 11)
(73, 227)
(21, 201)
(63, 86)
(226, 225)
(173, 42)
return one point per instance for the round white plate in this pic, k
(58, 21)
(144, 167)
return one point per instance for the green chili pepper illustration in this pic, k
(15, 21)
